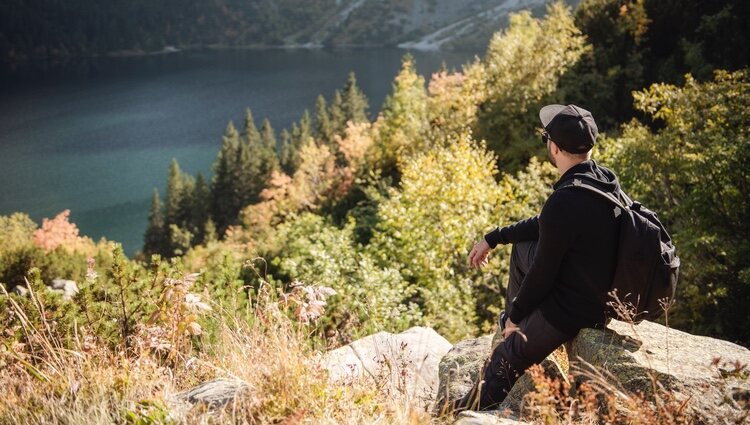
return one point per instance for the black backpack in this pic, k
(647, 265)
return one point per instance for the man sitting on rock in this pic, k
(562, 262)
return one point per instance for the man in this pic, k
(562, 262)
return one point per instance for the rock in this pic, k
(20, 290)
(407, 363)
(67, 288)
(460, 368)
(485, 418)
(682, 362)
(214, 393)
(554, 367)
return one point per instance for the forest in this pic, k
(336, 169)
(371, 213)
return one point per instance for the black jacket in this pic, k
(577, 233)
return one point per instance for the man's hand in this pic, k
(478, 255)
(510, 327)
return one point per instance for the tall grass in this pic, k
(48, 379)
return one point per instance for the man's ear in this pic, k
(555, 149)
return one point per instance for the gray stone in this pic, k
(486, 418)
(460, 368)
(20, 290)
(403, 365)
(686, 365)
(67, 288)
(214, 393)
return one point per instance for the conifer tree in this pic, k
(355, 101)
(268, 136)
(201, 200)
(222, 185)
(337, 113)
(154, 239)
(305, 129)
(323, 126)
(287, 150)
(248, 181)
(175, 194)
(252, 135)
(267, 151)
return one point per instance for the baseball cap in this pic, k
(571, 127)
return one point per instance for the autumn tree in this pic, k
(521, 72)
(449, 197)
(404, 118)
(355, 102)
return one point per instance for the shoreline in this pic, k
(168, 50)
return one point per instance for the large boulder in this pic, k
(404, 364)
(460, 368)
(701, 369)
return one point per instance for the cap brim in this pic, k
(548, 112)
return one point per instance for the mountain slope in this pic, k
(50, 28)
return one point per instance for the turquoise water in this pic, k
(96, 136)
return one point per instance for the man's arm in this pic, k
(555, 234)
(520, 231)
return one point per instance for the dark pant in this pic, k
(515, 354)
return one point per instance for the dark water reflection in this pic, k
(97, 135)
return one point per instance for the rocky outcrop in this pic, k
(404, 364)
(705, 372)
(699, 369)
(460, 368)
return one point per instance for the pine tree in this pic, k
(337, 113)
(154, 240)
(268, 136)
(175, 194)
(305, 129)
(252, 136)
(287, 150)
(222, 185)
(323, 126)
(201, 200)
(355, 101)
(247, 179)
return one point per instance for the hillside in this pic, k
(46, 28)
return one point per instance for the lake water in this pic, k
(96, 136)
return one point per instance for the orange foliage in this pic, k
(59, 231)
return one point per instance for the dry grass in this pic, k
(599, 397)
(91, 382)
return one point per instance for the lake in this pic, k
(97, 135)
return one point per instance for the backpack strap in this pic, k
(623, 201)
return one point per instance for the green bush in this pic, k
(369, 298)
(693, 170)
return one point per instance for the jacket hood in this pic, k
(603, 178)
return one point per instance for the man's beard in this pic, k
(549, 155)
